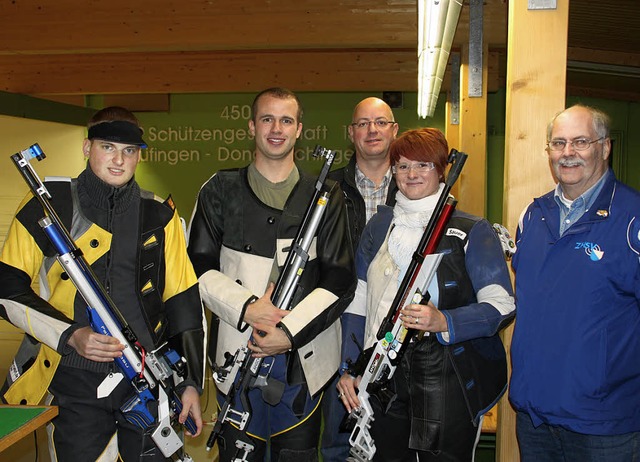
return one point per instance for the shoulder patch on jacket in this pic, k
(156, 208)
(170, 203)
(455, 232)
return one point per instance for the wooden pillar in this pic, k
(536, 81)
(473, 138)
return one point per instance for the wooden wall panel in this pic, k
(473, 139)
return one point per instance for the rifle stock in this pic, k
(151, 378)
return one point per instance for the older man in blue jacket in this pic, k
(575, 350)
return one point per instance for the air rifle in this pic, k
(151, 374)
(254, 372)
(377, 364)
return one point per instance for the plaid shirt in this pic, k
(373, 195)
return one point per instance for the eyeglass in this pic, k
(420, 167)
(579, 144)
(379, 123)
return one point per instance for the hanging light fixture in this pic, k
(437, 23)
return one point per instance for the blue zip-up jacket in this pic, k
(576, 345)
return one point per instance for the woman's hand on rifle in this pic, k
(426, 318)
(348, 391)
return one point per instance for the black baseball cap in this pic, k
(118, 131)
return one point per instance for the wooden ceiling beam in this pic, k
(191, 72)
(185, 46)
(604, 57)
(69, 26)
(203, 72)
(194, 72)
(117, 26)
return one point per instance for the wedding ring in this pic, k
(340, 395)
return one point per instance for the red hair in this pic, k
(421, 145)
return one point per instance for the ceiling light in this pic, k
(437, 23)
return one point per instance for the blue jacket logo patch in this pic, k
(592, 250)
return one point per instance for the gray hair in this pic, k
(601, 121)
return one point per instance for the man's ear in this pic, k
(350, 130)
(252, 128)
(86, 147)
(606, 148)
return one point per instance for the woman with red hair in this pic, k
(454, 371)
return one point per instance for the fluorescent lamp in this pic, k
(437, 23)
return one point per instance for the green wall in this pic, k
(625, 130)
(625, 126)
(204, 133)
(15, 105)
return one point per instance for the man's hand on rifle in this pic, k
(268, 340)
(191, 404)
(262, 311)
(424, 317)
(94, 346)
(347, 388)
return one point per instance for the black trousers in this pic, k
(86, 425)
(452, 433)
(300, 444)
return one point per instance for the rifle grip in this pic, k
(189, 424)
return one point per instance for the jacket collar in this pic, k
(599, 211)
(104, 196)
(350, 178)
(350, 171)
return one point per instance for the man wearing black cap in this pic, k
(135, 245)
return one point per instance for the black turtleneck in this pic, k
(98, 197)
(117, 210)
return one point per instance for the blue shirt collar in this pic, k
(587, 198)
(571, 214)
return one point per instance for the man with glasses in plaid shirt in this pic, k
(367, 182)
